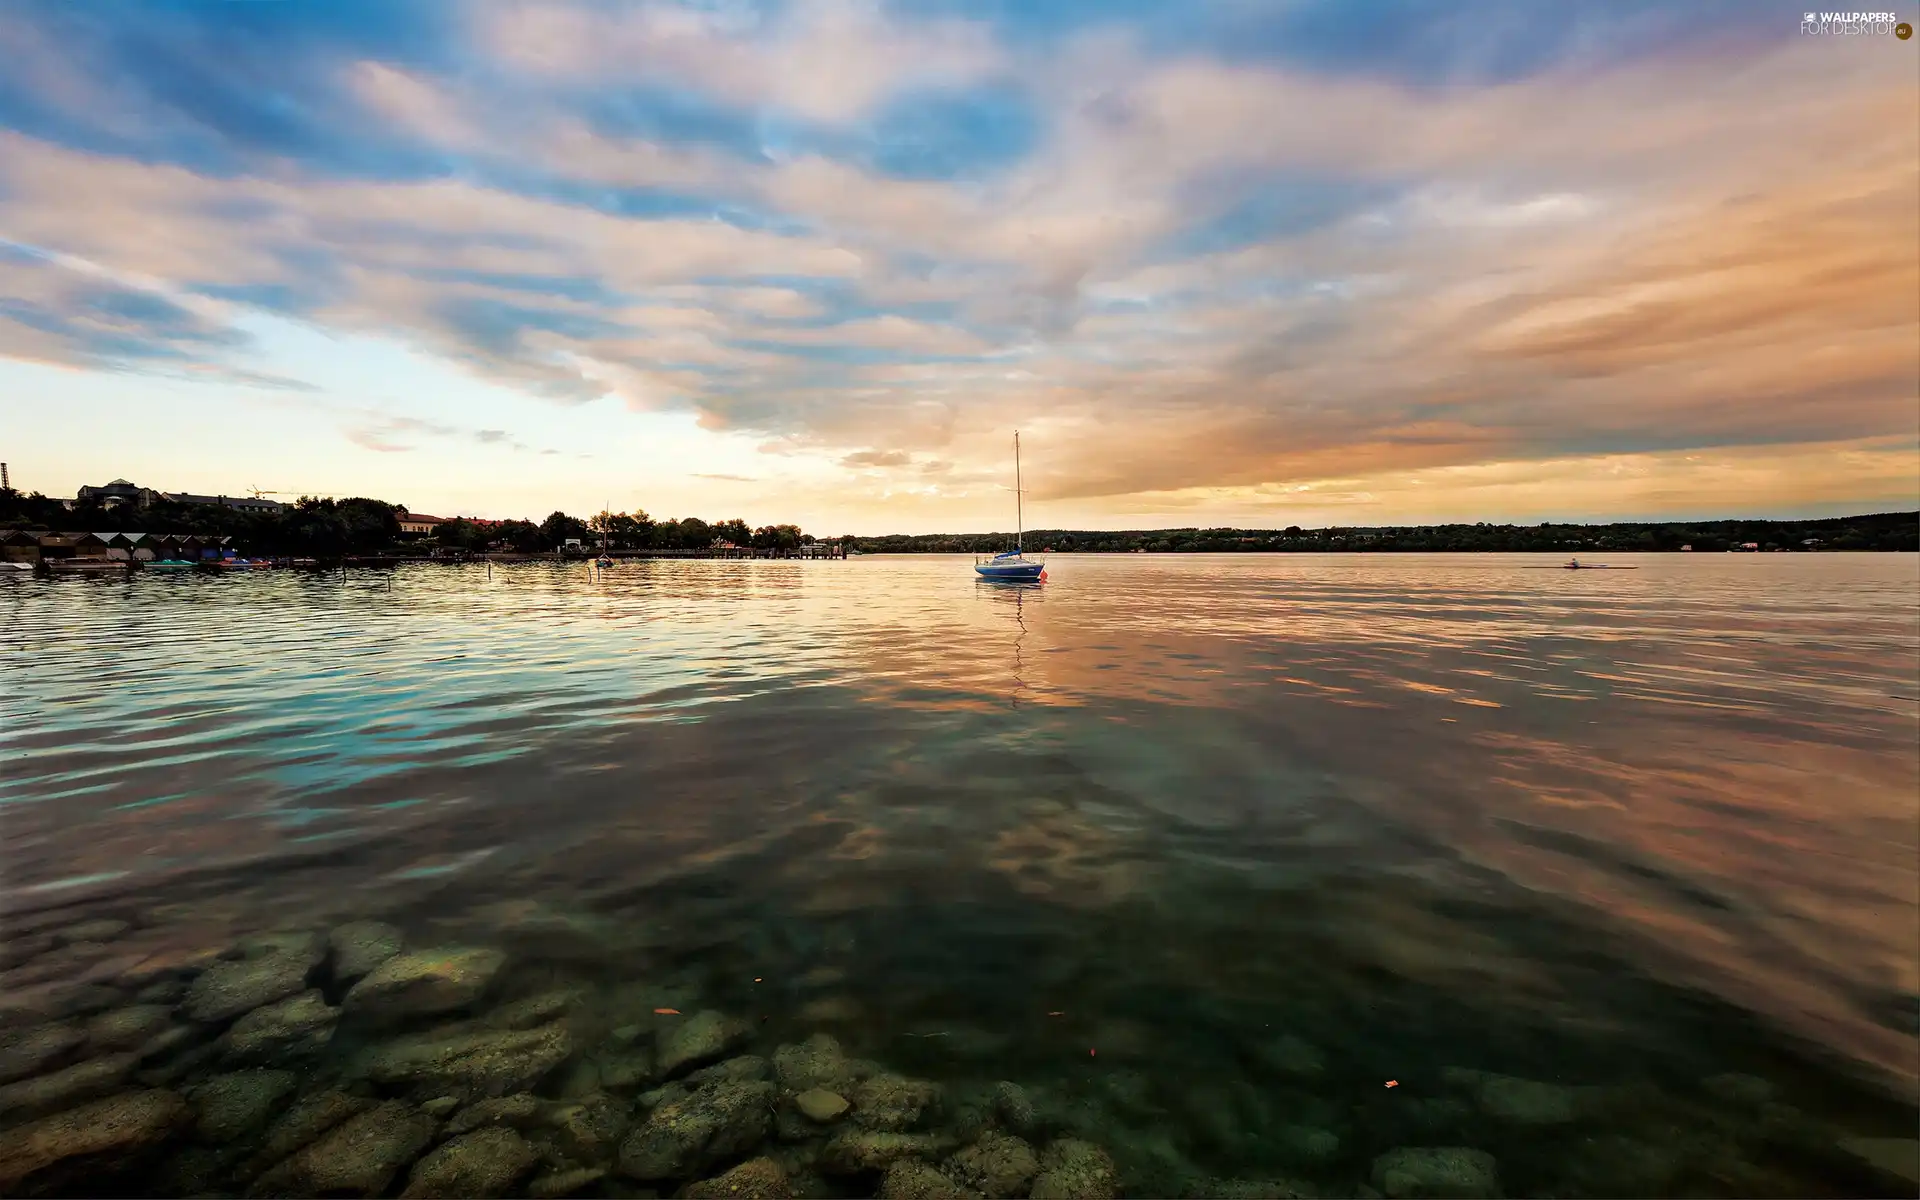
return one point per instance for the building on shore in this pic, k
(120, 491)
(419, 523)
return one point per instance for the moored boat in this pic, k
(1012, 566)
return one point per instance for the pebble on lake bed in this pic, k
(425, 982)
(1454, 1172)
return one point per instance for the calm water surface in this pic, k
(1110, 836)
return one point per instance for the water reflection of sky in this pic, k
(1714, 755)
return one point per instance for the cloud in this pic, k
(726, 478)
(877, 458)
(1242, 249)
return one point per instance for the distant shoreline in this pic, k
(1868, 532)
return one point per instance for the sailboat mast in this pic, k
(1019, 514)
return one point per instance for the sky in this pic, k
(1221, 262)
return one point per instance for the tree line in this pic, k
(320, 527)
(1876, 531)
(317, 527)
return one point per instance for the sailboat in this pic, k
(1013, 565)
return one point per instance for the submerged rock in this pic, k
(1254, 1189)
(625, 1069)
(303, 944)
(893, 1102)
(425, 982)
(227, 989)
(998, 1166)
(486, 1162)
(756, 1179)
(1014, 1107)
(1896, 1156)
(534, 1010)
(590, 1131)
(126, 1028)
(702, 1038)
(80, 1082)
(115, 1128)
(1748, 1091)
(1071, 1169)
(1293, 1057)
(818, 1062)
(746, 1068)
(821, 1105)
(292, 1028)
(99, 929)
(853, 1151)
(1306, 1146)
(1526, 1101)
(469, 1063)
(360, 946)
(1437, 1171)
(522, 1109)
(684, 1136)
(31, 1049)
(356, 1158)
(300, 1125)
(570, 1182)
(235, 1105)
(911, 1179)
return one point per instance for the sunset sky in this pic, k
(1242, 262)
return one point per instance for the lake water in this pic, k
(1243, 867)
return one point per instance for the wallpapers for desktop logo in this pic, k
(1845, 24)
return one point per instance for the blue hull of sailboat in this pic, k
(1014, 571)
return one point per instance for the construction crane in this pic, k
(263, 493)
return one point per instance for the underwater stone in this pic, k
(685, 1136)
(1895, 1156)
(300, 1125)
(1526, 1101)
(911, 1179)
(299, 1026)
(1014, 1106)
(227, 989)
(302, 944)
(360, 946)
(821, 1105)
(1307, 1146)
(125, 1028)
(756, 1179)
(818, 1062)
(1257, 1189)
(100, 929)
(486, 1162)
(998, 1165)
(1749, 1091)
(1449, 1172)
(893, 1102)
(30, 1049)
(1071, 1169)
(487, 1063)
(557, 1184)
(591, 1130)
(855, 1150)
(701, 1038)
(534, 1010)
(1291, 1056)
(61, 1089)
(523, 1109)
(234, 1105)
(359, 1157)
(425, 982)
(120, 1126)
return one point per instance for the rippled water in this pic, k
(1609, 829)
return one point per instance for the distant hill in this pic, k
(1874, 531)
